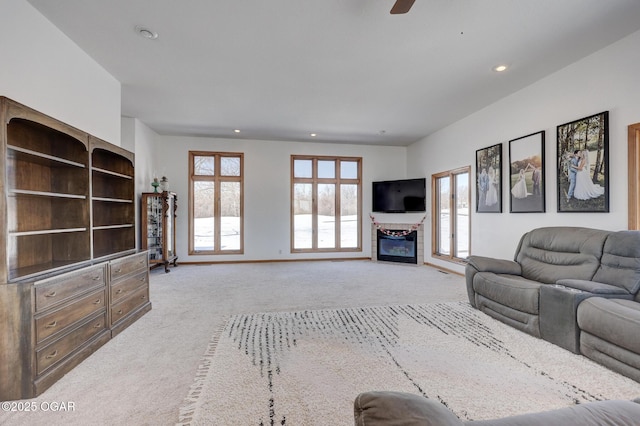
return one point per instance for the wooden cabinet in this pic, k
(67, 240)
(159, 227)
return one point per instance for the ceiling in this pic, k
(345, 70)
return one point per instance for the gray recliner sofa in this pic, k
(378, 408)
(576, 287)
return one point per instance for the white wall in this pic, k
(43, 69)
(604, 81)
(267, 189)
(140, 139)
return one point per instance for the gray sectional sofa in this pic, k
(576, 287)
(404, 409)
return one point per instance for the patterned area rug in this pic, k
(305, 368)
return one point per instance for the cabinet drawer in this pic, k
(126, 286)
(64, 287)
(138, 298)
(58, 350)
(54, 322)
(122, 267)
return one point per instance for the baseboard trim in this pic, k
(325, 259)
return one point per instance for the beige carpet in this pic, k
(305, 367)
(143, 375)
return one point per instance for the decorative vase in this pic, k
(155, 185)
(164, 184)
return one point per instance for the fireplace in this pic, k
(397, 246)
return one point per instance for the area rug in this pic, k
(306, 368)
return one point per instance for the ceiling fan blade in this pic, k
(401, 6)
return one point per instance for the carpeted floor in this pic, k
(143, 376)
(304, 368)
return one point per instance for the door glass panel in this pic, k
(462, 216)
(326, 215)
(302, 220)
(444, 216)
(348, 216)
(203, 216)
(229, 215)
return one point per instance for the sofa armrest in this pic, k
(497, 266)
(477, 264)
(386, 408)
(596, 288)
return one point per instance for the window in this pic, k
(215, 203)
(451, 236)
(325, 204)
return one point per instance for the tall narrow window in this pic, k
(451, 223)
(326, 199)
(215, 203)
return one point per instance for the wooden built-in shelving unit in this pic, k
(68, 216)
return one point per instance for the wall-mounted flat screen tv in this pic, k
(399, 196)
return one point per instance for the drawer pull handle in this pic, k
(97, 302)
(96, 278)
(143, 297)
(52, 354)
(51, 294)
(119, 312)
(98, 325)
(51, 324)
(119, 291)
(118, 270)
(143, 279)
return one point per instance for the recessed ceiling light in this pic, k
(313, 135)
(500, 68)
(146, 32)
(237, 130)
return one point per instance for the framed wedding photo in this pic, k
(583, 164)
(489, 180)
(526, 174)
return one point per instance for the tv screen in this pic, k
(399, 196)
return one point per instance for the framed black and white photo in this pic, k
(583, 164)
(489, 180)
(526, 174)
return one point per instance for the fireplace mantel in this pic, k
(399, 227)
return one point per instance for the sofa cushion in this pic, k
(620, 263)
(550, 254)
(514, 291)
(595, 288)
(612, 413)
(386, 408)
(614, 320)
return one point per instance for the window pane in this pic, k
(229, 215)
(462, 216)
(326, 169)
(204, 165)
(203, 216)
(302, 209)
(230, 166)
(349, 169)
(326, 215)
(444, 216)
(302, 168)
(348, 216)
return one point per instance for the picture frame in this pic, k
(583, 165)
(489, 179)
(527, 174)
